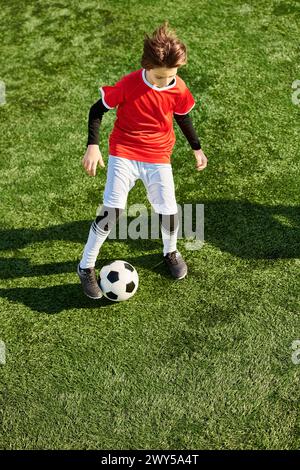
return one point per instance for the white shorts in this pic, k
(122, 174)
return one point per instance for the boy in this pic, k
(140, 147)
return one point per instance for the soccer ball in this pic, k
(118, 280)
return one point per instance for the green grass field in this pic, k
(203, 363)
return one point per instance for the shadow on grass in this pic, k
(244, 229)
(54, 299)
(252, 231)
(12, 268)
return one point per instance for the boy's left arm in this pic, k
(201, 160)
(185, 123)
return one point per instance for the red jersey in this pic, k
(143, 129)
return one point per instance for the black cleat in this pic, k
(176, 264)
(89, 282)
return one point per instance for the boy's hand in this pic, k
(201, 160)
(91, 158)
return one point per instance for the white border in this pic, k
(154, 86)
(103, 99)
(183, 114)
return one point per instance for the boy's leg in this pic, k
(169, 226)
(158, 180)
(120, 179)
(99, 231)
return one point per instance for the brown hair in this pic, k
(163, 49)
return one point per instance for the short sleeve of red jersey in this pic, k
(185, 102)
(112, 96)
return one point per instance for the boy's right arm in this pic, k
(93, 155)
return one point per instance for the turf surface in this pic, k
(204, 363)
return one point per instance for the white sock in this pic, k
(169, 240)
(96, 238)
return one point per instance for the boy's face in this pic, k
(161, 76)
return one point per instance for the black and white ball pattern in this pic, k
(118, 280)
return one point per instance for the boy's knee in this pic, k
(108, 217)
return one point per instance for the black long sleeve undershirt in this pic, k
(98, 109)
(95, 118)
(185, 123)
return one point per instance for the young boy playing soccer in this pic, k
(140, 147)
